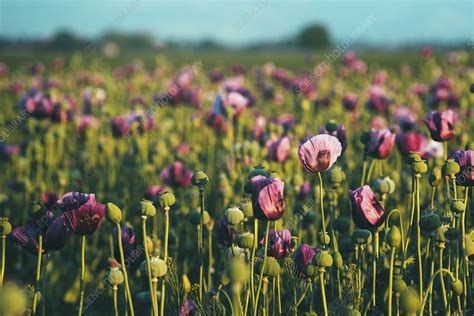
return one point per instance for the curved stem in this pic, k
(400, 220)
(430, 286)
(124, 270)
(38, 273)
(321, 202)
(260, 281)
(390, 281)
(228, 300)
(165, 258)
(83, 272)
(323, 291)
(148, 266)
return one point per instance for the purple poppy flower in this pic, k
(367, 212)
(119, 126)
(142, 120)
(225, 233)
(128, 241)
(350, 102)
(279, 243)
(9, 151)
(153, 191)
(377, 101)
(339, 133)
(465, 159)
(380, 143)
(176, 175)
(37, 104)
(406, 118)
(441, 124)
(49, 199)
(267, 196)
(318, 153)
(412, 141)
(83, 214)
(303, 256)
(73, 200)
(278, 149)
(215, 75)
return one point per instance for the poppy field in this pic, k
(186, 188)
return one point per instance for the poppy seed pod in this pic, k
(246, 207)
(441, 234)
(147, 208)
(310, 270)
(429, 222)
(399, 285)
(324, 239)
(384, 185)
(323, 259)
(413, 157)
(457, 206)
(234, 252)
(337, 176)
(115, 276)
(113, 213)
(166, 199)
(337, 258)
(393, 236)
(457, 286)
(234, 215)
(272, 267)
(469, 250)
(195, 217)
(451, 167)
(435, 177)
(361, 236)
(409, 300)
(237, 271)
(158, 267)
(245, 240)
(419, 166)
(199, 179)
(5, 226)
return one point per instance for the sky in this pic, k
(246, 21)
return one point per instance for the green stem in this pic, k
(209, 268)
(418, 236)
(260, 281)
(165, 258)
(115, 301)
(148, 266)
(124, 270)
(430, 286)
(279, 294)
(374, 266)
(364, 171)
(228, 300)
(252, 261)
(201, 252)
(38, 273)
(441, 278)
(321, 202)
(371, 168)
(323, 291)
(390, 281)
(83, 272)
(2, 268)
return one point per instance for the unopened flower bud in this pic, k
(409, 300)
(451, 167)
(435, 177)
(147, 208)
(393, 237)
(323, 259)
(234, 215)
(245, 240)
(113, 213)
(337, 258)
(457, 286)
(399, 285)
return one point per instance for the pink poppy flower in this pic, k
(367, 212)
(267, 197)
(380, 143)
(318, 153)
(278, 149)
(441, 124)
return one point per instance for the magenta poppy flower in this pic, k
(350, 102)
(367, 212)
(441, 124)
(278, 149)
(339, 133)
(143, 120)
(465, 159)
(412, 141)
(176, 175)
(279, 243)
(37, 104)
(153, 191)
(119, 126)
(225, 233)
(406, 118)
(9, 151)
(86, 122)
(303, 256)
(318, 153)
(380, 143)
(83, 214)
(267, 196)
(377, 101)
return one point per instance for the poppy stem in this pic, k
(364, 171)
(279, 294)
(262, 269)
(371, 169)
(165, 258)
(430, 285)
(83, 273)
(148, 266)
(418, 235)
(374, 267)
(323, 291)
(38, 272)
(124, 270)
(115, 300)
(252, 260)
(2, 268)
(390, 281)
(321, 202)
(201, 252)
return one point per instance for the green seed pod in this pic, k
(393, 237)
(245, 240)
(440, 234)
(233, 253)
(257, 171)
(399, 285)
(451, 167)
(337, 258)
(336, 176)
(246, 207)
(457, 286)
(158, 267)
(413, 157)
(331, 126)
(350, 312)
(310, 270)
(324, 239)
(457, 206)
(419, 167)
(430, 222)
(469, 245)
(237, 271)
(409, 300)
(166, 199)
(147, 208)
(199, 179)
(115, 276)
(342, 224)
(13, 300)
(195, 217)
(113, 213)
(234, 215)
(323, 259)
(435, 177)
(272, 267)
(361, 236)
(382, 186)
(5, 226)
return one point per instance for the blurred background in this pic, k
(290, 30)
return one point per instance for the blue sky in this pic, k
(243, 22)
